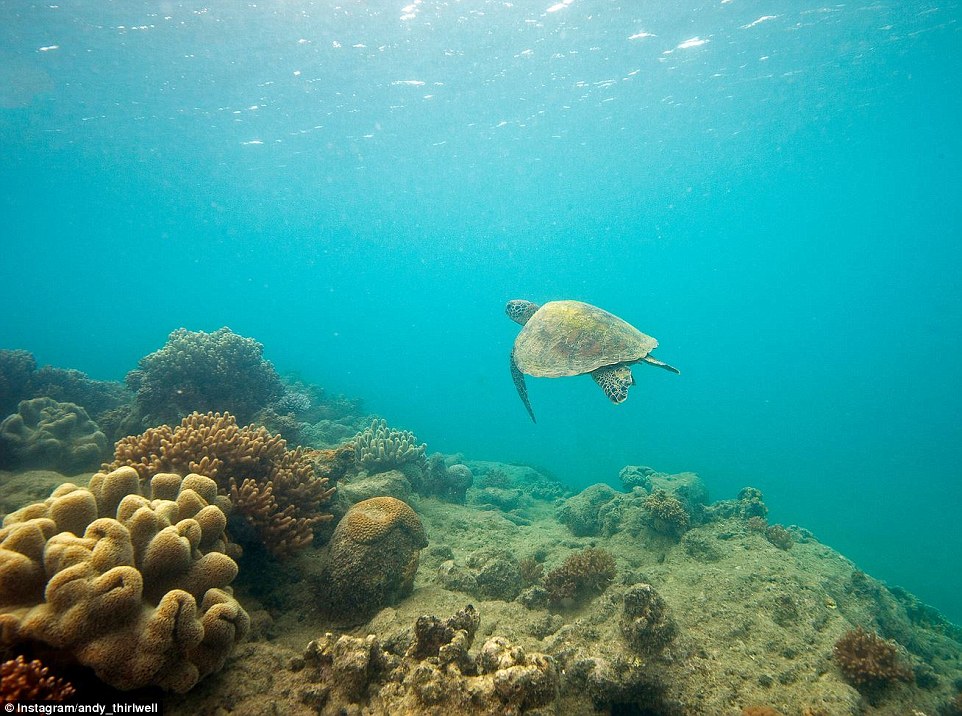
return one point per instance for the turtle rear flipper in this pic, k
(615, 381)
(652, 361)
(518, 378)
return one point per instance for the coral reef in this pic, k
(666, 514)
(142, 597)
(645, 622)
(16, 371)
(278, 491)
(379, 448)
(22, 680)
(373, 558)
(433, 674)
(20, 379)
(581, 576)
(198, 371)
(497, 574)
(866, 659)
(779, 536)
(448, 483)
(59, 436)
(633, 476)
(593, 511)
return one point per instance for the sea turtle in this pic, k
(571, 338)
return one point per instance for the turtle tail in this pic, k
(518, 378)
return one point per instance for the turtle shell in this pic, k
(570, 338)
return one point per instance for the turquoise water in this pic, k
(770, 189)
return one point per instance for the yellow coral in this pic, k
(369, 520)
(121, 590)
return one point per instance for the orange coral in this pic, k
(22, 680)
(278, 491)
(867, 659)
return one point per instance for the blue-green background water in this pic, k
(770, 188)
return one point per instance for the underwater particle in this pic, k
(565, 338)
(866, 659)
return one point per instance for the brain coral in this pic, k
(57, 436)
(278, 491)
(198, 371)
(373, 557)
(135, 588)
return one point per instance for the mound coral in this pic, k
(22, 680)
(448, 483)
(581, 576)
(645, 621)
(278, 491)
(593, 511)
(374, 555)
(379, 448)
(633, 476)
(142, 597)
(58, 436)
(866, 659)
(198, 371)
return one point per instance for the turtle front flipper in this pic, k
(518, 378)
(652, 361)
(615, 381)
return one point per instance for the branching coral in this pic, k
(57, 436)
(866, 659)
(380, 448)
(22, 680)
(198, 371)
(134, 587)
(278, 491)
(666, 513)
(581, 576)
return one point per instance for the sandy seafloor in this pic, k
(755, 623)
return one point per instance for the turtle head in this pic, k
(520, 311)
